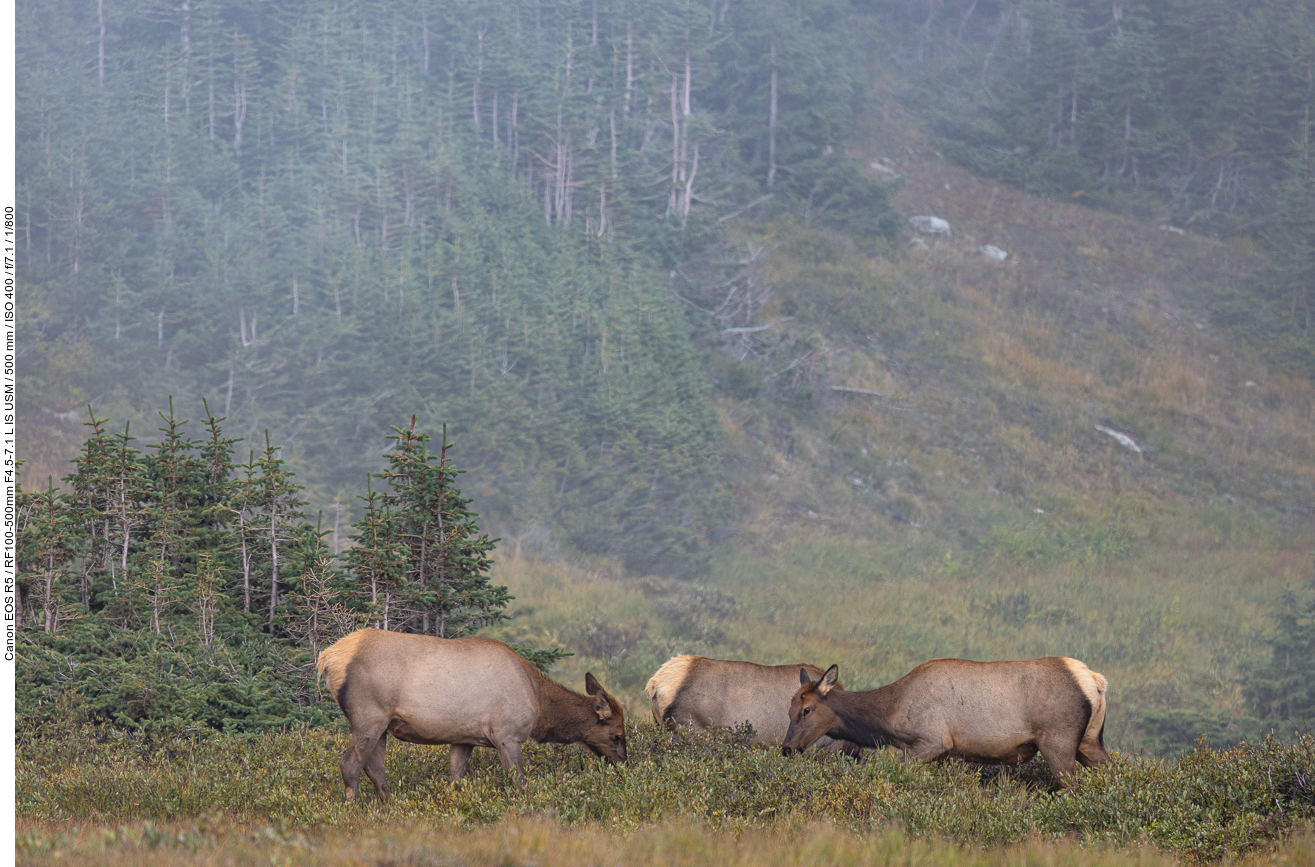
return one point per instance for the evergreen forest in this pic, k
(319, 215)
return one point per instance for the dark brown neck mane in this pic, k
(861, 716)
(564, 715)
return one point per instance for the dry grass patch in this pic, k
(543, 841)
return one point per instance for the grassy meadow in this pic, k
(95, 790)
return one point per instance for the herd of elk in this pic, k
(469, 692)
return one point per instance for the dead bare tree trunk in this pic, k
(185, 28)
(689, 185)
(630, 68)
(479, 73)
(211, 85)
(424, 31)
(675, 147)
(239, 103)
(771, 125)
(611, 122)
(513, 134)
(100, 42)
(685, 111)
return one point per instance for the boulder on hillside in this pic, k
(882, 169)
(994, 253)
(931, 225)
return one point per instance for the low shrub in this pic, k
(1206, 805)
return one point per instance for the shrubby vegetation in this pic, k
(1204, 806)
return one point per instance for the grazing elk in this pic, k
(703, 692)
(467, 692)
(997, 713)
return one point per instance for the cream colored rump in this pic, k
(666, 682)
(1093, 686)
(333, 660)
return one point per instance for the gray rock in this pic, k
(931, 225)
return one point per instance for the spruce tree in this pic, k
(176, 511)
(49, 542)
(1284, 689)
(378, 560)
(278, 517)
(91, 497)
(446, 582)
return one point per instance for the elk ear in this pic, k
(804, 679)
(591, 684)
(602, 706)
(829, 680)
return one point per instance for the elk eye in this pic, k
(807, 711)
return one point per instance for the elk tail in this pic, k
(665, 683)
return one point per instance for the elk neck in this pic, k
(563, 715)
(862, 717)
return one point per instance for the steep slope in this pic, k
(993, 379)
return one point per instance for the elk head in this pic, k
(810, 718)
(605, 736)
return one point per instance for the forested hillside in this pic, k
(502, 216)
(1185, 109)
(645, 263)
(1196, 114)
(321, 216)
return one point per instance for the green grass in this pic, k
(1204, 806)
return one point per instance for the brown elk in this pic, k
(997, 713)
(706, 693)
(467, 692)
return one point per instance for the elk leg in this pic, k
(1091, 754)
(355, 757)
(458, 760)
(848, 748)
(1060, 753)
(510, 753)
(374, 766)
(930, 751)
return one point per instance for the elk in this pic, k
(998, 713)
(466, 692)
(703, 692)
